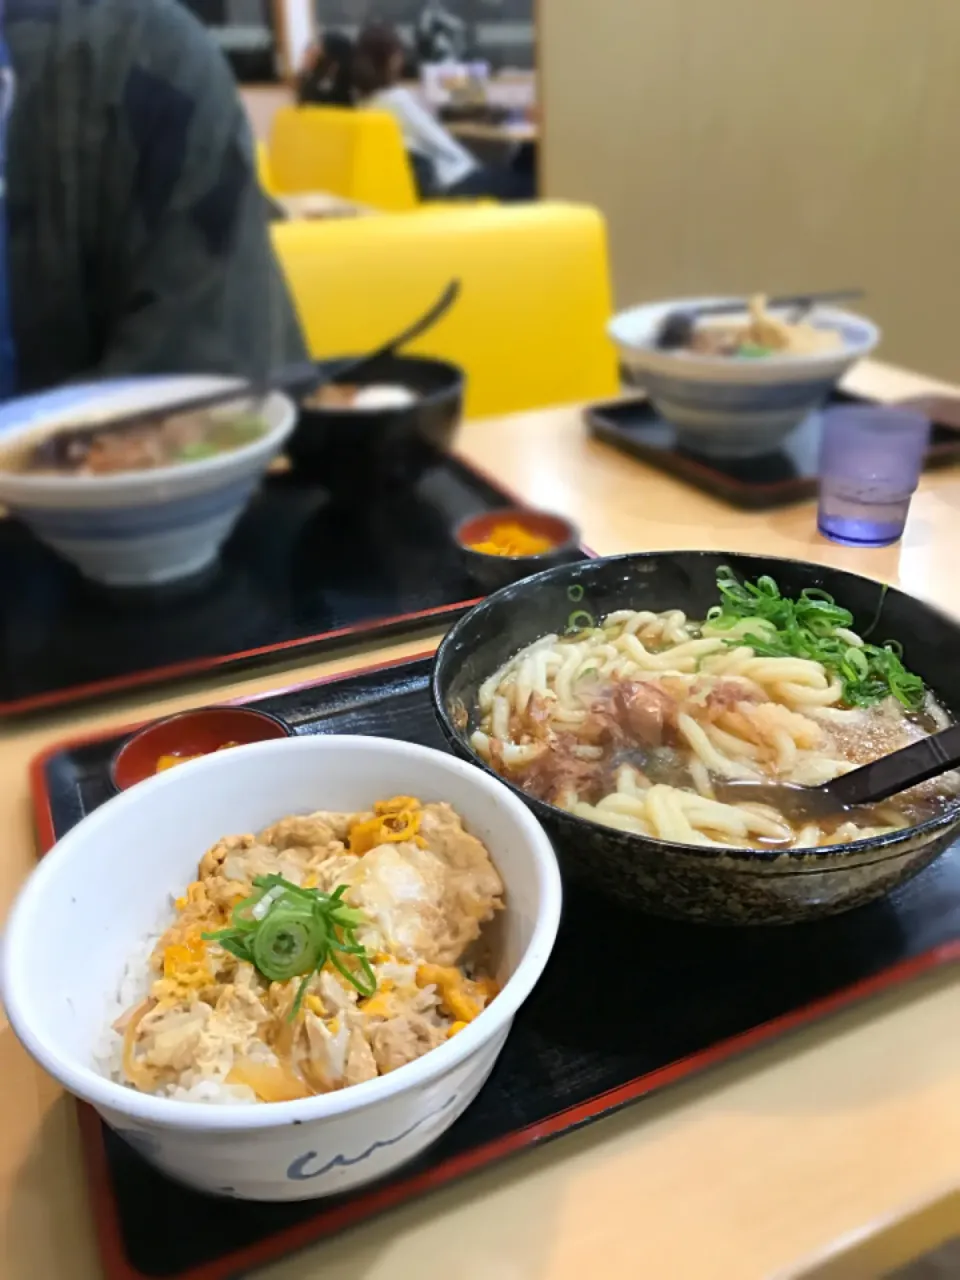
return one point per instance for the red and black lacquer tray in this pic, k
(787, 475)
(302, 571)
(622, 1010)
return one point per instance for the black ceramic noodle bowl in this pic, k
(718, 886)
(354, 449)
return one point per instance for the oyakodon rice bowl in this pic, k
(618, 695)
(77, 939)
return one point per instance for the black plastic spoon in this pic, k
(869, 784)
(348, 372)
(677, 327)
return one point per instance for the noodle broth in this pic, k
(106, 449)
(630, 723)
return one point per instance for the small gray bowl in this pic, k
(493, 571)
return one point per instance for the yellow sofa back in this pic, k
(529, 326)
(265, 170)
(358, 155)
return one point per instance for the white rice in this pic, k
(133, 988)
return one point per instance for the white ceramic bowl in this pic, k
(734, 408)
(107, 884)
(137, 528)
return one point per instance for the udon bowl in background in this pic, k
(730, 886)
(735, 408)
(106, 887)
(352, 450)
(136, 528)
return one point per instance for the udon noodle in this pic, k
(631, 722)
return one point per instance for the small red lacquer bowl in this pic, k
(191, 733)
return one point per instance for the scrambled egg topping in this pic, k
(426, 888)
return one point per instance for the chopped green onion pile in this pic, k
(285, 932)
(777, 627)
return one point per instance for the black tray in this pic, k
(677, 998)
(753, 484)
(301, 572)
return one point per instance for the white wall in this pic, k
(750, 145)
(299, 27)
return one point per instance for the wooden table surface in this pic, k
(510, 133)
(317, 205)
(738, 1174)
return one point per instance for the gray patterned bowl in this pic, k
(729, 408)
(687, 881)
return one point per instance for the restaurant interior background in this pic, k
(736, 146)
(729, 147)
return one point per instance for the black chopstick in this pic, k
(294, 378)
(803, 300)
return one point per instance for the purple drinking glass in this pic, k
(870, 462)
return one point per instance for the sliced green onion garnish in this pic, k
(581, 620)
(807, 628)
(300, 930)
(575, 593)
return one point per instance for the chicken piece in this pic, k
(232, 1032)
(404, 1039)
(168, 1037)
(211, 863)
(231, 867)
(646, 712)
(473, 891)
(227, 870)
(326, 1063)
(279, 998)
(330, 871)
(336, 994)
(361, 1064)
(239, 1007)
(312, 830)
(261, 860)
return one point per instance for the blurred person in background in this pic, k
(442, 166)
(133, 236)
(326, 78)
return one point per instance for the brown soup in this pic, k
(139, 446)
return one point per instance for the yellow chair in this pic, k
(529, 326)
(358, 155)
(265, 170)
